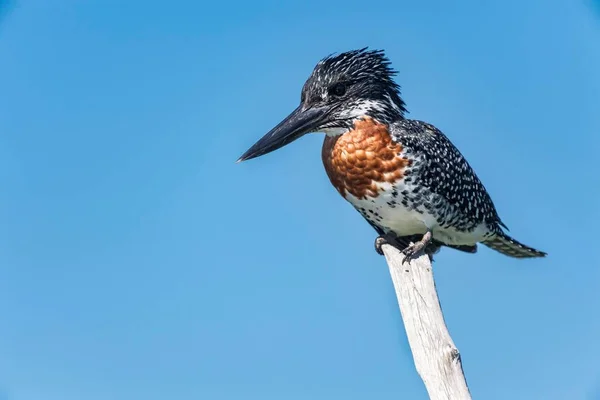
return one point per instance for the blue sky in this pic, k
(138, 261)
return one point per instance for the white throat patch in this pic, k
(358, 110)
(334, 131)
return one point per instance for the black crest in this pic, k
(367, 72)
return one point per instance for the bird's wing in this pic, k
(440, 167)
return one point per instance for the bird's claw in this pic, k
(415, 248)
(409, 252)
(412, 251)
(379, 242)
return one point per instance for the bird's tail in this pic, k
(506, 245)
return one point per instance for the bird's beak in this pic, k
(298, 123)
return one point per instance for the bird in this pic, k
(404, 176)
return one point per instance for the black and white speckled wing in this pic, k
(442, 173)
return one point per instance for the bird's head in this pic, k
(341, 89)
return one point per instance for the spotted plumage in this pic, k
(403, 176)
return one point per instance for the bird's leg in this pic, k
(416, 247)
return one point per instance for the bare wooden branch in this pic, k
(436, 357)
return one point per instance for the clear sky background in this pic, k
(138, 261)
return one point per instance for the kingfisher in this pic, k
(404, 176)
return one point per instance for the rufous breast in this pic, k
(359, 161)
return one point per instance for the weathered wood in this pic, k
(436, 357)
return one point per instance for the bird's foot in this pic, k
(415, 248)
(387, 238)
(380, 241)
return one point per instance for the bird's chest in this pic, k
(363, 161)
(368, 169)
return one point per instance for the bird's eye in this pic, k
(339, 89)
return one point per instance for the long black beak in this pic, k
(297, 124)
